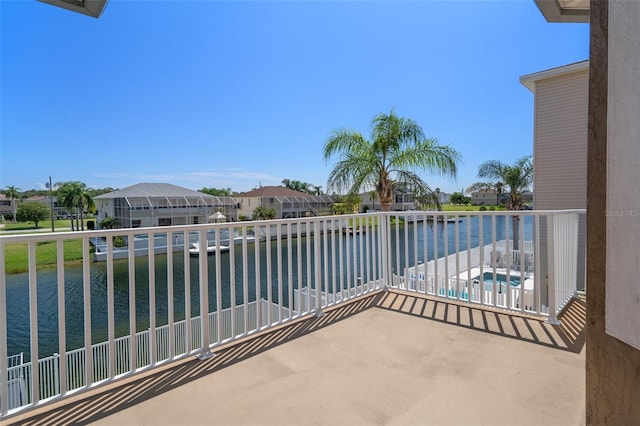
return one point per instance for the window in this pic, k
(136, 223)
(164, 221)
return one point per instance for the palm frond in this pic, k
(352, 172)
(390, 133)
(427, 155)
(480, 186)
(492, 169)
(343, 141)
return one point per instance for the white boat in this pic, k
(194, 249)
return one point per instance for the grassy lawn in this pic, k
(45, 224)
(468, 208)
(17, 257)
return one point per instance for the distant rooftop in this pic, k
(274, 191)
(152, 190)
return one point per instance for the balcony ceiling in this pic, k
(86, 7)
(564, 10)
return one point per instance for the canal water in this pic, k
(18, 331)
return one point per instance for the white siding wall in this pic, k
(560, 148)
(623, 175)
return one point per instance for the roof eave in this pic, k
(92, 8)
(554, 11)
(529, 80)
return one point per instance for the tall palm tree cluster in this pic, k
(307, 188)
(392, 158)
(76, 198)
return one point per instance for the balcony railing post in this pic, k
(551, 270)
(385, 244)
(62, 342)
(33, 324)
(4, 364)
(317, 268)
(203, 277)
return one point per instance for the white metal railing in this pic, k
(521, 261)
(259, 275)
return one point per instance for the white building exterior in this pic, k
(287, 203)
(161, 204)
(560, 136)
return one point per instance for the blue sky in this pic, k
(238, 93)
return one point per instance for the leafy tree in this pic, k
(263, 213)
(396, 151)
(347, 204)
(459, 199)
(119, 241)
(516, 178)
(109, 223)
(34, 192)
(32, 211)
(12, 193)
(99, 191)
(218, 192)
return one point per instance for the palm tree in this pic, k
(499, 191)
(430, 201)
(75, 197)
(86, 202)
(13, 193)
(396, 151)
(516, 178)
(69, 197)
(263, 213)
(373, 194)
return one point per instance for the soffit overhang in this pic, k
(87, 7)
(564, 10)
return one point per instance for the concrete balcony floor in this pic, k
(387, 359)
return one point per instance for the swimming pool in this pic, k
(487, 278)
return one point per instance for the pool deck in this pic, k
(391, 358)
